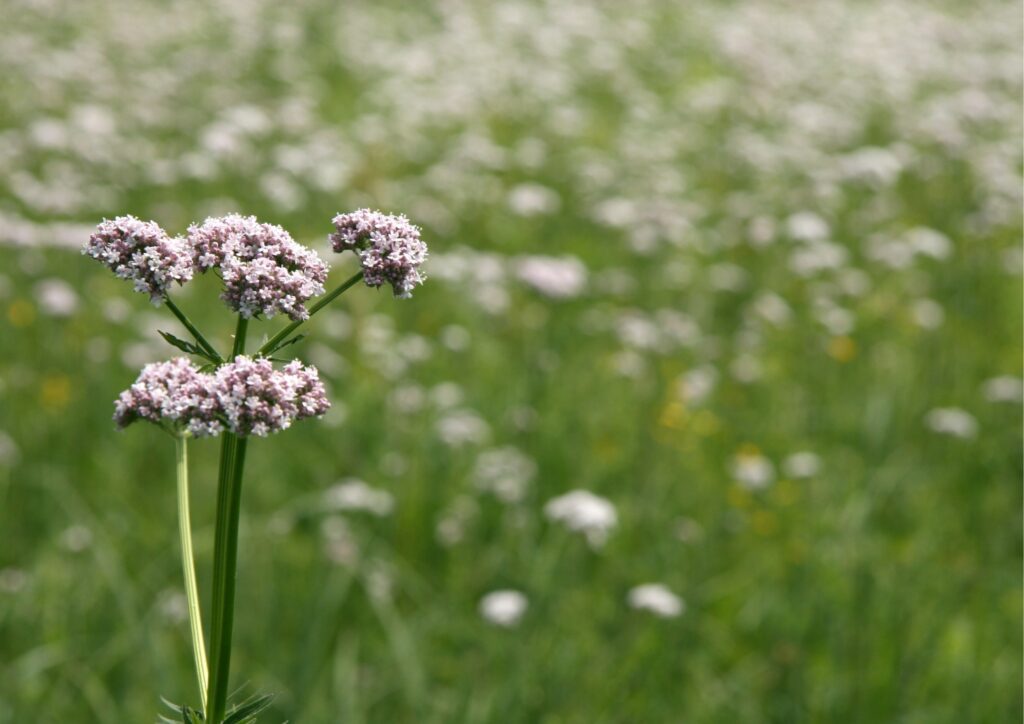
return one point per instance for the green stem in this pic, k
(189, 569)
(324, 301)
(225, 554)
(196, 334)
(240, 329)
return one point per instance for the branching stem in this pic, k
(324, 301)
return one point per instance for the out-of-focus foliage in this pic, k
(745, 276)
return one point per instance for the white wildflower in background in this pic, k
(461, 427)
(8, 449)
(629, 363)
(929, 242)
(726, 277)
(688, 530)
(352, 494)
(505, 473)
(582, 511)
(172, 605)
(818, 256)
(746, 368)
(503, 608)
(952, 421)
(447, 395)
(339, 544)
(451, 528)
(76, 538)
(807, 226)
(927, 313)
(455, 337)
(696, 385)
(555, 277)
(1004, 389)
(56, 297)
(656, 598)
(802, 464)
(752, 470)
(531, 199)
(12, 580)
(773, 309)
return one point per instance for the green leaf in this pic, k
(281, 345)
(184, 346)
(188, 714)
(247, 711)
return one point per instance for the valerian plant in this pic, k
(238, 396)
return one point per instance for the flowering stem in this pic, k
(327, 299)
(224, 572)
(196, 334)
(240, 330)
(225, 556)
(188, 567)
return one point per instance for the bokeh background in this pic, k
(748, 272)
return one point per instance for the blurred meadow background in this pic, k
(747, 273)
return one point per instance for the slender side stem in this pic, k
(196, 334)
(324, 301)
(189, 568)
(224, 572)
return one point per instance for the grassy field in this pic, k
(750, 272)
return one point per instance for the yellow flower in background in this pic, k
(55, 391)
(764, 522)
(21, 313)
(739, 497)
(706, 423)
(673, 416)
(787, 492)
(842, 349)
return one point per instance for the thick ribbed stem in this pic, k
(225, 557)
(189, 568)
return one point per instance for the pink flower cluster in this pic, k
(245, 396)
(257, 399)
(173, 394)
(143, 252)
(264, 270)
(389, 248)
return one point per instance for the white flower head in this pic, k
(505, 473)
(554, 277)
(584, 512)
(952, 421)
(1004, 389)
(355, 495)
(753, 470)
(802, 465)
(656, 598)
(503, 608)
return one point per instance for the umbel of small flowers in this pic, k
(237, 396)
(245, 396)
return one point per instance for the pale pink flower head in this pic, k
(389, 248)
(174, 395)
(256, 399)
(265, 271)
(142, 252)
